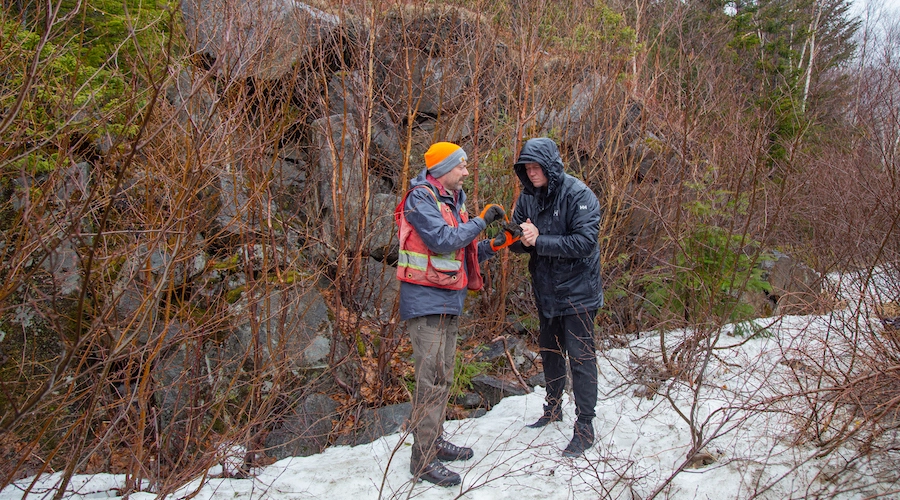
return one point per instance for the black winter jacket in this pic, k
(565, 260)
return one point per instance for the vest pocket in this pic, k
(442, 278)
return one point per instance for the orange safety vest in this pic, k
(419, 265)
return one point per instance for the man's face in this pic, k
(453, 180)
(536, 174)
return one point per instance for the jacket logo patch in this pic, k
(582, 207)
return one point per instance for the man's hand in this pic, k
(529, 233)
(491, 213)
(510, 234)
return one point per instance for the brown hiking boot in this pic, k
(448, 451)
(435, 472)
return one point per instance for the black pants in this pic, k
(571, 335)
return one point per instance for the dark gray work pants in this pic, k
(434, 348)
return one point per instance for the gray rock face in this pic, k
(376, 295)
(256, 39)
(142, 282)
(348, 97)
(172, 375)
(434, 71)
(194, 98)
(286, 325)
(68, 188)
(339, 170)
(579, 118)
(63, 263)
(288, 184)
(240, 207)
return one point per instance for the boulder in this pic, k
(495, 354)
(435, 72)
(349, 97)
(240, 207)
(339, 167)
(290, 322)
(579, 119)
(148, 272)
(305, 430)
(263, 39)
(195, 99)
(288, 183)
(375, 423)
(796, 289)
(492, 390)
(377, 293)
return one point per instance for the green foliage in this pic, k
(764, 47)
(65, 95)
(618, 288)
(710, 267)
(750, 329)
(360, 344)
(229, 264)
(232, 296)
(771, 39)
(32, 347)
(464, 372)
(529, 322)
(597, 26)
(587, 29)
(496, 177)
(64, 70)
(118, 27)
(36, 164)
(85, 67)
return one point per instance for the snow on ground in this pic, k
(641, 441)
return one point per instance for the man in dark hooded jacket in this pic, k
(560, 220)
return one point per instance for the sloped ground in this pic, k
(752, 417)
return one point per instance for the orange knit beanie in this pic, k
(442, 157)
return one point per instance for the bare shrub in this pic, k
(159, 268)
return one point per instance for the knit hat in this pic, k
(442, 157)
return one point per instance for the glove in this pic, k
(510, 234)
(492, 212)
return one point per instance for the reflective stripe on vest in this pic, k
(419, 261)
(417, 264)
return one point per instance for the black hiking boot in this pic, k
(582, 439)
(448, 451)
(551, 414)
(436, 473)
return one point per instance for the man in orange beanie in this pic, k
(439, 261)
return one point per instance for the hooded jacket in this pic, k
(425, 216)
(565, 260)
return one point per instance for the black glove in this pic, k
(514, 229)
(491, 213)
(510, 234)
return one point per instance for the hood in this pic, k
(544, 152)
(419, 179)
(422, 180)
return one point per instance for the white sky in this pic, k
(641, 441)
(890, 7)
